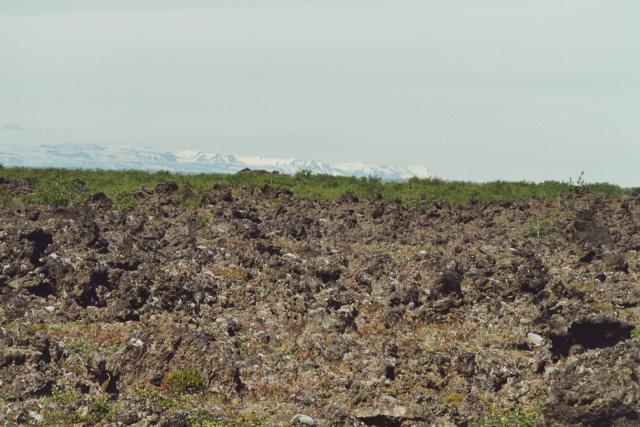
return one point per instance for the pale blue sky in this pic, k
(479, 90)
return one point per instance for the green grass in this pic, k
(241, 421)
(516, 417)
(157, 399)
(60, 187)
(63, 326)
(199, 414)
(636, 332)
(84, 345)
(99, 409)
(64, 397)
(79, 342)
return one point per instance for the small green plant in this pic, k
(183, 381)
(228, 273)
(453, 399)
(100, 411)
(245, 420)
(636, 332)
(63, 326)
(205, 217)
(157, 399)
(539, 227)
(84, 345)
(63, 397)
(516, 417)
(579, 182)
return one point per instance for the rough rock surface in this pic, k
(329, 313)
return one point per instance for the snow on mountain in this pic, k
(95, 156)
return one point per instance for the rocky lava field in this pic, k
(247, 306)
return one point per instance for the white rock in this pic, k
(36, 417)
(535, 339)
(136, 342)
(50, 308)
(391, 399)
(549, 372)
(303, 419)
(290, 255)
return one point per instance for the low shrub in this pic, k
(184, 381)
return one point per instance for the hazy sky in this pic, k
(474, 89)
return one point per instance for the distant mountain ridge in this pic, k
(97, 156)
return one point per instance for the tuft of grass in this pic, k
(453, 399)
(63, 397)
(99, 411)
(539, 226)
(157, 399)
(77, 337)
(184, 381)
(62, 326)
(229, 273)
(248, 420)
(205, 217)
(516, 417)
(83, 345)
(636, 332)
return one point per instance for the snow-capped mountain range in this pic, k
(95, 156)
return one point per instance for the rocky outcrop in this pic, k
(250, 304)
